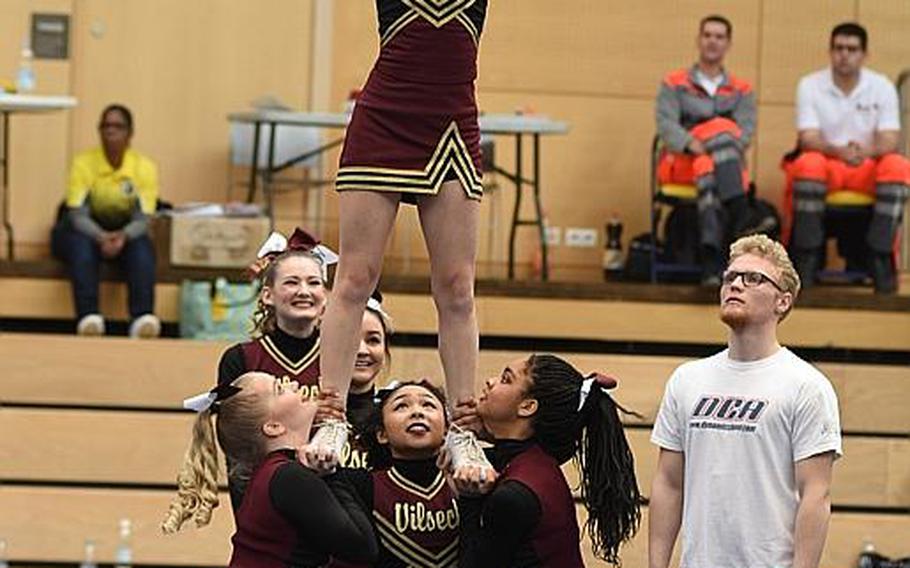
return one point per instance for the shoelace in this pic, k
(466, 443)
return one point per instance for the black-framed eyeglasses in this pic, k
(751, 278)
(114, 125)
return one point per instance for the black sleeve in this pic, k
(333, 520)
(231, 365)
(495, 527)
(361, 481)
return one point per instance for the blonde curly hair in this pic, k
(264, 319)
(771, 250)
(239, 422)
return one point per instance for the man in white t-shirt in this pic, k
(706, 119)
(849, 131)
(747, 437)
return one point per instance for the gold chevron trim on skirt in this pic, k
(451, 153)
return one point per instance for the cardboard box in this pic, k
(216, 242)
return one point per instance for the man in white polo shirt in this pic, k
(747, 437)
(849, 131)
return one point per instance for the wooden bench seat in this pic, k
(93, 432)
(50, 369)
(581, 318)
(68, 516)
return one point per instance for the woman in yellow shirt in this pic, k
(111, 193)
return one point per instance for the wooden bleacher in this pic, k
(626, 312)
(92, 432)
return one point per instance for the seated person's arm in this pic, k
(745, 116)
(811, 140)
(888, 125)
(138, 225)
(674, 136)
(80, 217)
(885, 142)
(81, 220)
(146, 184)
(808, 123)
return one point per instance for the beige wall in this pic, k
(598, 63)
(182, 65)
(39, 144)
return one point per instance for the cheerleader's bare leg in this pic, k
(366, 219)
(449, 224)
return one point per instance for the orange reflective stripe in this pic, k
(859, 178)
(810, 166)
(893, 168)
(677, 78)
(702, 166)
(740, 85)
(711, 128)
(675, 168)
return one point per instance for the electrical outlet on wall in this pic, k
(553, 236)
(581, 237)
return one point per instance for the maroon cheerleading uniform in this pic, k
(279, 354)
(414, 124)
(414, 512)
(528, 520)
(360, 409)
(289, 517)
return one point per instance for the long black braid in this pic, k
(594, 436)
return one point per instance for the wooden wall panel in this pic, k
(601, 166)
(597, 65)
(182, 67)
(106, 371)
(795, 42)
(776, 136)
(846, 535)
(873, 472)
(89, 446)
(114, 372)
(887, 22)
(354, 47)
(39, 143)
(66, 517)
(597, 47)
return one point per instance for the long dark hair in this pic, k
(381, 454)
(594, 436)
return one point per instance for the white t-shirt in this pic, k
(742, 426)
(709, 84)
(869, 108)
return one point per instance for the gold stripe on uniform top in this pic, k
(295, 367)
(469, 25)
(411, 556)
(451, 153)
(438, 12)
(397, 26)
(411, 487)
(409, 551)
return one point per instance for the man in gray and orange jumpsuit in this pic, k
(849, 131)
(706, 119)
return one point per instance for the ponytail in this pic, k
(197, 482)
(593, 434)
(609, 489)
